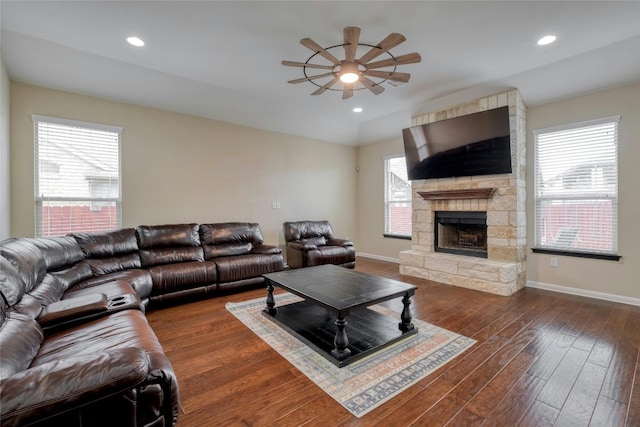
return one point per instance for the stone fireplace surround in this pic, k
(502, 196)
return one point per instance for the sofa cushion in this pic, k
(339, 242)
(123, 329)
(227, 249)
(101, 266)
(314, 241)
(234, 268)
(26, 258)
(59, 252)
(230, 232)
(169, 244)
(331, 255)
(71, 276)
(110, 251)
(11, 284)
(20, 339)
(49, 290)
(55, 284)
(266, 250)
(107, 244)
(160, 256)
(307, 229)
(229, 238)
(62, 392)
(111, 289)
(139, 279)
(175, 277)
(168, 236)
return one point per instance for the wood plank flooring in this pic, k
(542, 359)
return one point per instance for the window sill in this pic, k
(397, 236)
(605, 257)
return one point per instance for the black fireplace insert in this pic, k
(461, 233)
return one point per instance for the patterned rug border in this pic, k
(367, 383)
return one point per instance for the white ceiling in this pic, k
(221, 60)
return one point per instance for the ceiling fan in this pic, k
(352, 71)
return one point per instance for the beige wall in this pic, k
(5, 217)
(370, 210)
(622, 277)
(178, 168)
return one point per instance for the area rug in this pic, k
(367, 383)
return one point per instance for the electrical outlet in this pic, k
(553, 261)
(274, 205)
(277, 205)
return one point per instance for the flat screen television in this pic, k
(474, 144)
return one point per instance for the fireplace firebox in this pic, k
(461, 233)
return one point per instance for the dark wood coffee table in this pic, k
(332, 295)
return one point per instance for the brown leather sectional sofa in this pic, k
(75, 346)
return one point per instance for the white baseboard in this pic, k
(378, 257)
(584, 293)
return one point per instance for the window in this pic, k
(576, 189)
(77, 176)
(397, 198)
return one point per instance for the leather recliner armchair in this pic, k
(312, 243)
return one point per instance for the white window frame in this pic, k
(388, 203)
(575, 193)
(94, 201)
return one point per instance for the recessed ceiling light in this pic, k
(357, 110)
(135, 41)
(546, 40)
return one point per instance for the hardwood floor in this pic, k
(541, 359)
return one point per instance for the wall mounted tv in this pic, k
(474, 144)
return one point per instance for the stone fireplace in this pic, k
(471, 231)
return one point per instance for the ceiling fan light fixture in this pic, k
(354, 73)
(349, 72)
(349, 77)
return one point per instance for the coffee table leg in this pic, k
(341, 341)
(271, 302)
(406, 324)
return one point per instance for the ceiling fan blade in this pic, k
(325, 87)
(389, 42)
(347, 92)
(395, 76)
(351, 37)
(304, 64)
(375, 88)
(310, 44)
(306, 79)
(409, 58)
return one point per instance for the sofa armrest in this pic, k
(72, 309)
(52, 388)
(339, 242)
(162, 373)
(266, 250)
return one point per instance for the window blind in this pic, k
(77, 176)
(397, 200)
(576, 187)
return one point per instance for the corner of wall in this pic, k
(5, 208)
